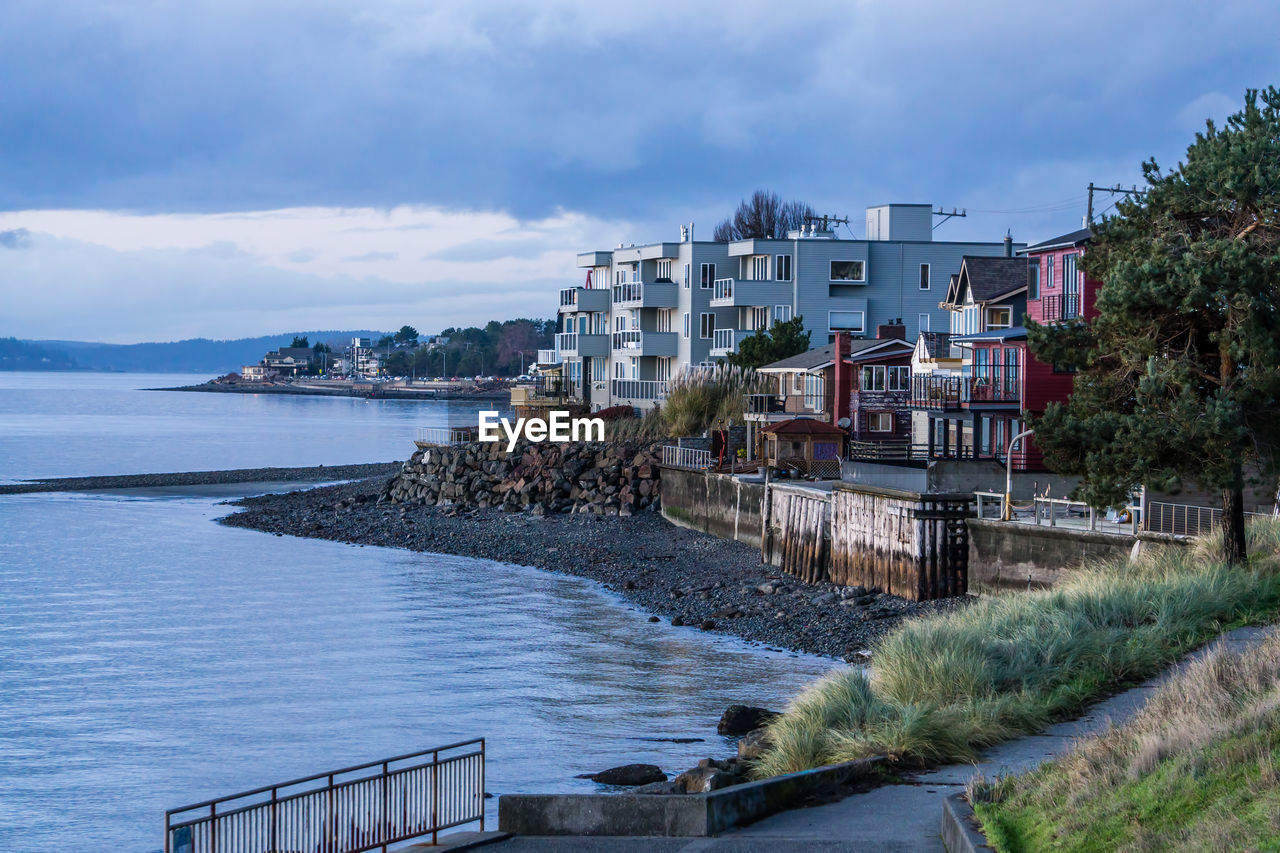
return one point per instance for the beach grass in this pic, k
(943, 687)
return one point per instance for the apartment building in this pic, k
(645, 313)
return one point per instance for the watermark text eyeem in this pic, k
(557, 426)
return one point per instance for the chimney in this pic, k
(1008, 244)
(894, 330)
(843, 380)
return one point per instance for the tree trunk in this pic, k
(1233, 543)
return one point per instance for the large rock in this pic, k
(753, 745)
(740, 719)
(628, 775)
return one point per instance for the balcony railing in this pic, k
(686, 457)
(631, 291)
(943, 393)
(567, 342)
(639, 389)
(584, 299)
(548, 356)
(725, 341)
(995, 385)
(1061, 306)
(783, 404)
(723, 289)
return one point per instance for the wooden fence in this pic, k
(906, 543)
(797, 534)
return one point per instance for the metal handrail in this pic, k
(261, 828)
(447, 435)
(689, 458)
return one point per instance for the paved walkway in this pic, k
(895, 817)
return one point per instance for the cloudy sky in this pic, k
(224, 168)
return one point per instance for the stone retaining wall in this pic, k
(587, 477)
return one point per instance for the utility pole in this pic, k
(826, 221)
(1132, 191)
(945, 216)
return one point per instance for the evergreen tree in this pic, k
(300, 341)
(1179, 374)
(785, 339)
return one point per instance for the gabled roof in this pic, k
(989, 278)
(803, 426)
(825, 356)
(1074, 238)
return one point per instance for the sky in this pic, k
(228, 168)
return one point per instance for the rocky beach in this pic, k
(685, 576)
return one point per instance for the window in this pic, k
(664, 270)
(599, 369)
(782, 268)
(759, 267)
(1033, 280)
(664, 369)
(757, 318)
(1048, 273)
(873, 378)
(686, 324)
(619, 276)
(999, 318)
(708, 279)
(924, 322)
(688, 275)
(924, 276)
(900, 378)
(664, 320)
(619, 370)
(814, 392)
(1070, 274)
(848, 271)
(845, 321)
(781, 313)
(880, 422)
(707, 324)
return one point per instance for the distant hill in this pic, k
(197, 355)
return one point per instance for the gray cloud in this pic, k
(17, 238)
(368, 257)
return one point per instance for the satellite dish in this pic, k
(843, 423)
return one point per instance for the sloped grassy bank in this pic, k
(943, 687)
(1197, 769)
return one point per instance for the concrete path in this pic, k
(895, 817)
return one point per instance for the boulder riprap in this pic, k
(740, 719)
(603, 478)
(628, 775)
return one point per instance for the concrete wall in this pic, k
(713, 503)
(949, 475)
(1014, 556)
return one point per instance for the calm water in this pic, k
(150, 657)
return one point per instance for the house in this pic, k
(289, 361)
(975, 414)
(645, 313)
(257, 373)
(861, 386)
(803, 445)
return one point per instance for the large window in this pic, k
(1070, 274)
(708, 279)
(759, 267)
(781, 313)
(707, 325)
(782, 268)
(880, 422)
(924, 276)
(999, 318)
(1033, 279)
(873, 377)
(845, 321)
(923, 321)
(848, 271)
(900, 378)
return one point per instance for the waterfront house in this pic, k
(803, 445)
(643, 314)
(257, 373)
(289, 361)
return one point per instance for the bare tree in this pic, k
(764, 215)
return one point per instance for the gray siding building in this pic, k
(645, 313)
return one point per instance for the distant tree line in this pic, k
(499, 348)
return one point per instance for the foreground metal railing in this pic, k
(685, 457)
(1184, 519)
(446, 435)
(344, 811)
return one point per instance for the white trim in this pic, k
(926, 276)
(860, 261)
(860, 329)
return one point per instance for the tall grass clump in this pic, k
(1198, 768)
(943, 687)
(702, 397)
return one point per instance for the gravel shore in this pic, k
(313, 474)
(686, 576)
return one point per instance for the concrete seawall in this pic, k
(713, 503)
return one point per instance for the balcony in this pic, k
(782, 407)
(939, 393)
(1060, 306)
(638, 343)
(574, 345)
(548, 356)
(638, 389)
(573, 299)
(645, 294)
(732, 293)
(725, 341)
(995, 386)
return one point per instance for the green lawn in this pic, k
(943, 687)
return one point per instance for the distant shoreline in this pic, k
(378, 392)
(312, 474)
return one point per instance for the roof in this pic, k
(824, 356)
(803, 426)
(1011, 334)
(992, 277)
(936, 344)
(1074, 238)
